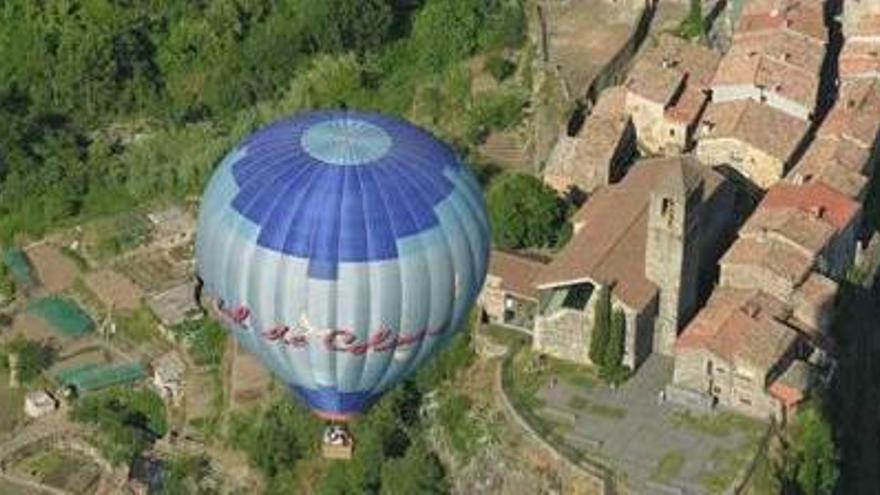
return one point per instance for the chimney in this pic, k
(818, 211)
(752, 309)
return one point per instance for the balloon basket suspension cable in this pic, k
(337, 442)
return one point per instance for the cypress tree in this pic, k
(601, 326)
(614, 348)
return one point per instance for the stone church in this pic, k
(654, 239)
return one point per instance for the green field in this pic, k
(64, 470)
(11, 414)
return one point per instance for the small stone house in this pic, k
(667, 90)
(600, 152)
(779, 69)
(176, 305)
(738, 351)
(509, 296)
(776, 57)
(836, 163)
(39, 403)
(752, 138)
(794, 231)
(172, 227)
(168, 371)
(649, 238)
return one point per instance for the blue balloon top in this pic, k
(334, 186)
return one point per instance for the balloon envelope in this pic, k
(342, 248)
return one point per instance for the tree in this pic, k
(33, 357)
(419, 471)
(128, 420)
(693, 25)
(601, 334)
(445, 31)
(814, 452)
(524, 212)
(185, 474)
(614, 349)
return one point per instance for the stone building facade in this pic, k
(509, 296)
(735, 350)
(667, 90)
(752, 138)
(648, 240)
(600, 152)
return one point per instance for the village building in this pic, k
(754, 139)
(650, 239)
(776, 58)
(804, 19)
(172, 227)
(667, 91)
(168, 371)
(600, 152)
(39, 403)
(176, 305)
(509, 296)
(861, 21)
(742, 352)
(795, 230)
(780, 70)
(836, 162)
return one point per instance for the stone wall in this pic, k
(564, 335)
(721, 94)
(654, 131)
(741, 390)
(747, 277)
(491, 298)
(759, 167)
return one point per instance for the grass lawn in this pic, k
(139, 327)
(725, 465)
(669, 466)
(719, 425)
(12, 400)
(580, 403)
(505, 336)
(62, 469)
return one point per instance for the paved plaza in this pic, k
(656, 447)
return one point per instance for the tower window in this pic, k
(666, 206)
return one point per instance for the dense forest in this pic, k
(105, 104)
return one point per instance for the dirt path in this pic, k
(31, 485)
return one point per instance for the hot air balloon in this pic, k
(343, 249)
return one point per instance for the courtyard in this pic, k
(652, 446)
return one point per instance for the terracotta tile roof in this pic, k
(763, 127)
(814, 304)
(830, 148)
(804, 17)
(516, 272)
(596, 142)
(741, 327)
(611, 103)
(791, 225)
(803, 53)
(866, 26)
(666, 65)
(769, 254)
(859, 60)
(840, 178)
(610, 245)
(855, 114)
(835, 162)
(816, 199)
(791, 387)
(773, 67)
